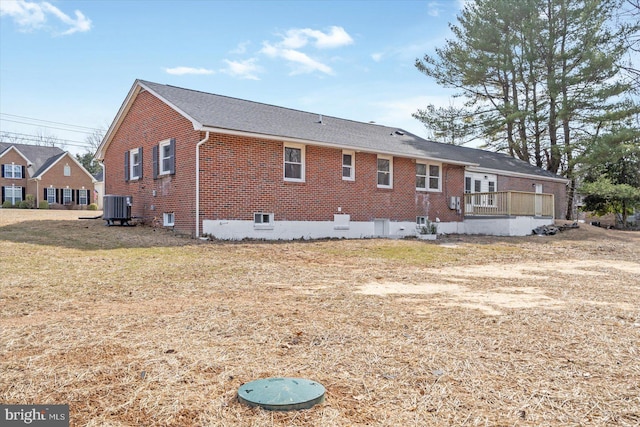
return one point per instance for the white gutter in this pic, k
(206, 138)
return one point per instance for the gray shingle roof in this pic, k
(222, 112)
(40, 156)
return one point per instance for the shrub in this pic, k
(93, 207)
(24, 205)
(30, 201)
(7, 204)
(43, 205)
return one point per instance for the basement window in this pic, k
(263, 221)
(168, 219)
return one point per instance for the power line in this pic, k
(36, 138)
(49, 121)
(48, 127)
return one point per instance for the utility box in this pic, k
(117, 208)
(454, 202)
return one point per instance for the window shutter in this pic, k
(59, 198)
(2, 170)
(172, 153)
(155, 154)
(45, 194)
(2, 191)
(24, 193)
(140, 160)
(126, 166)
(24, 175)
(73, 195)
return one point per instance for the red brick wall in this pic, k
(558, 189)
(11, 156)
(78, 179)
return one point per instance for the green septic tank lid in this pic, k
(281, 394)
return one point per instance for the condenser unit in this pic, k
(117, 208)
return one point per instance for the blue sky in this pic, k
(73, 62)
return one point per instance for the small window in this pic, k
(421, 220)
(66, 196)
(134, 164)
(51, 195)
(263, 221)
(492, 187)
(168, 219)
(294, 162)
(67, 170)
(348, 165)
(467, 184)
(13, 171)
(385, 172)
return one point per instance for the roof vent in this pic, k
(320, 118)
(399, 132)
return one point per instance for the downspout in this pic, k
(206, 138)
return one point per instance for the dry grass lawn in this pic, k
(133, 326)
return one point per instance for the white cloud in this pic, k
(290, 48)
(247, 69)
(300, 62)
(31, 16)
(180, 71)
(299, 37)
(433, 8)
(376, 56)
(241, 48)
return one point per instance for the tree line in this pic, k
(550, 82)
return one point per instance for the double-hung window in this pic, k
(51, 195)
(83, 197)
(165, 159)
(135, 163)
(294, 162)
(12, 171)
(428, 177)
(385, 172)
(66, 196)
(348, 165)
(13, 194)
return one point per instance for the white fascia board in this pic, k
(326, 144)
(517, 174)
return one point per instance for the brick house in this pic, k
(209, 164)
(46, 173)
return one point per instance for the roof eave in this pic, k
(327, 144)
(518, 174)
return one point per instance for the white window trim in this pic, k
(300, 147)
(263, 225)
(428, 176)
(13, 168)
(352, 166)
(66, 191)
(132, 166)
(80, 197)
(13, 197)
(168, 219)
(390, 159)
(161, 145)
(51, 195)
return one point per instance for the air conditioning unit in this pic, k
(117, 208)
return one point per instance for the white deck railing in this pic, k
(509, 203)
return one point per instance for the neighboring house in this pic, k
(209, 164)
(46, 173)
